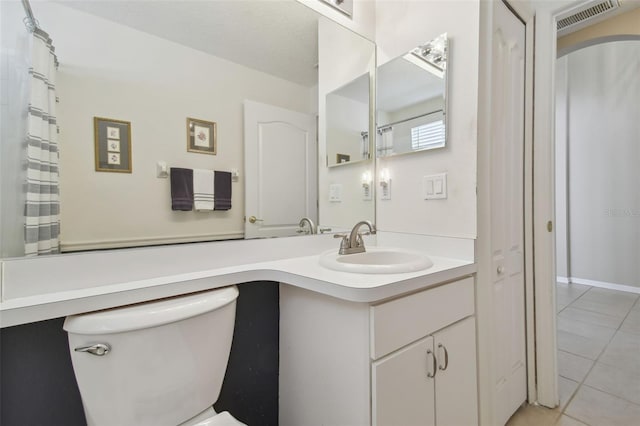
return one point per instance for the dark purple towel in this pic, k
(222, 191)
(181, 189)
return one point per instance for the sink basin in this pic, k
(376, 261)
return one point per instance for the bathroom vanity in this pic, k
(355, 348)
(404, 360)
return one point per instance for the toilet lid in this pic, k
(222, 419)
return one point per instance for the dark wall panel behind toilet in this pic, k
(38, 385)
(250, 389)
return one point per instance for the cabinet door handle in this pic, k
(446, 357)
(431, 374)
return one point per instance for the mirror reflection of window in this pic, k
(427, 136)
(411, 101)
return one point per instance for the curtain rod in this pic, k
(389, 125)
(30, 21)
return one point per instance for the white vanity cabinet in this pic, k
(423, 345)
(406, 361)
(430, 382)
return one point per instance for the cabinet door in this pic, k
(456, 390)
(402, 392)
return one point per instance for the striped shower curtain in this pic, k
(42, 217)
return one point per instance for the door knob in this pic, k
(500, 269)
(253, 219)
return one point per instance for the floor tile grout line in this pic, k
(574, 418)
(581, 383)
(625, 318)
(579, 356)
(613, 395)
(593, 312)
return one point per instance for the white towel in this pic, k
(203, 189)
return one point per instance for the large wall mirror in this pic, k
(411, 100)
(345, 190)
(155, 64)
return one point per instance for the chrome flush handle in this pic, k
(99, 349)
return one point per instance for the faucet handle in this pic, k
(344, 244)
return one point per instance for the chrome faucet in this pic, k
(353, 242)
(312, 226)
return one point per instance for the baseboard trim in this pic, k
(599, 284)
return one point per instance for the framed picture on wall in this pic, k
(112, 145)
(201, 136)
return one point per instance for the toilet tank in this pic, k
(166, 362)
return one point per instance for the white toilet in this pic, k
(155, 363)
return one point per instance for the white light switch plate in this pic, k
(435, 186)
(335, 193)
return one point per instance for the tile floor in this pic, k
(598, 360)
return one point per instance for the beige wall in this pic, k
(600, 119)
(113, 71)
(620, 25)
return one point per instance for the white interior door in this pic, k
(507, 212)
(280, 168)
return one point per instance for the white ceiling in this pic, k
(357, 90)
(402, 84)
(278, 37)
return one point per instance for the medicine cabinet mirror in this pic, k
(411, 100)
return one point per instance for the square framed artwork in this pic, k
(112, 145)
(201, 136)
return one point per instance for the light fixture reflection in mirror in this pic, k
(411, 100)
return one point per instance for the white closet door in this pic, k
(507, 212)
(402, 394)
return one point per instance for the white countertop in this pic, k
(35, 289)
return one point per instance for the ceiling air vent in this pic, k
(590, 12)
